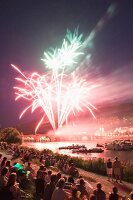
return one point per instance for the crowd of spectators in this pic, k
(20, 173)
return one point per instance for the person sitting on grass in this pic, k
(71, 180)
(13, 187)
(114, 194)
(47, 162)
(3, 177)
(29, 170)
(68, 185)
(59, 193)
(99, 193)
(40, 181)
(75, 194)
(73, 171)
(58, 176)
(81, 187)
(50, 187)
(48, 177)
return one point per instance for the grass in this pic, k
(98, 166)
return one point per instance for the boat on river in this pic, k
(85, 150)
(100, 145)
(120, 145)
(77, 147)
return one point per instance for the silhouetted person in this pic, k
(117, 169)
(114, 195)
(50, 187)
(59, 193)
(99, 193)
(109, 169)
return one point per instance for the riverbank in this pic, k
(92, 178)
(123, 156)
(91, 162)
(124, 188)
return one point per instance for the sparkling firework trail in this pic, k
(62, 60)
(58, 104)
(67, 55)
(60, 93)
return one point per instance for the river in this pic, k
(54, 146)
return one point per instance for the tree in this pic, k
(10, 135)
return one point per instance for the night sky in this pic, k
(28, 27)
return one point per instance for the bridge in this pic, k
(37, 138)
(53, 137)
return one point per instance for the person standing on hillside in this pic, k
(109, 169)
(117, 169)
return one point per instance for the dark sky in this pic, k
(28, 27)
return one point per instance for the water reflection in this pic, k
(54, 146)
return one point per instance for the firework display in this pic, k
(67, 55)
(57, 99)
(58, 93)
(61, 91)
